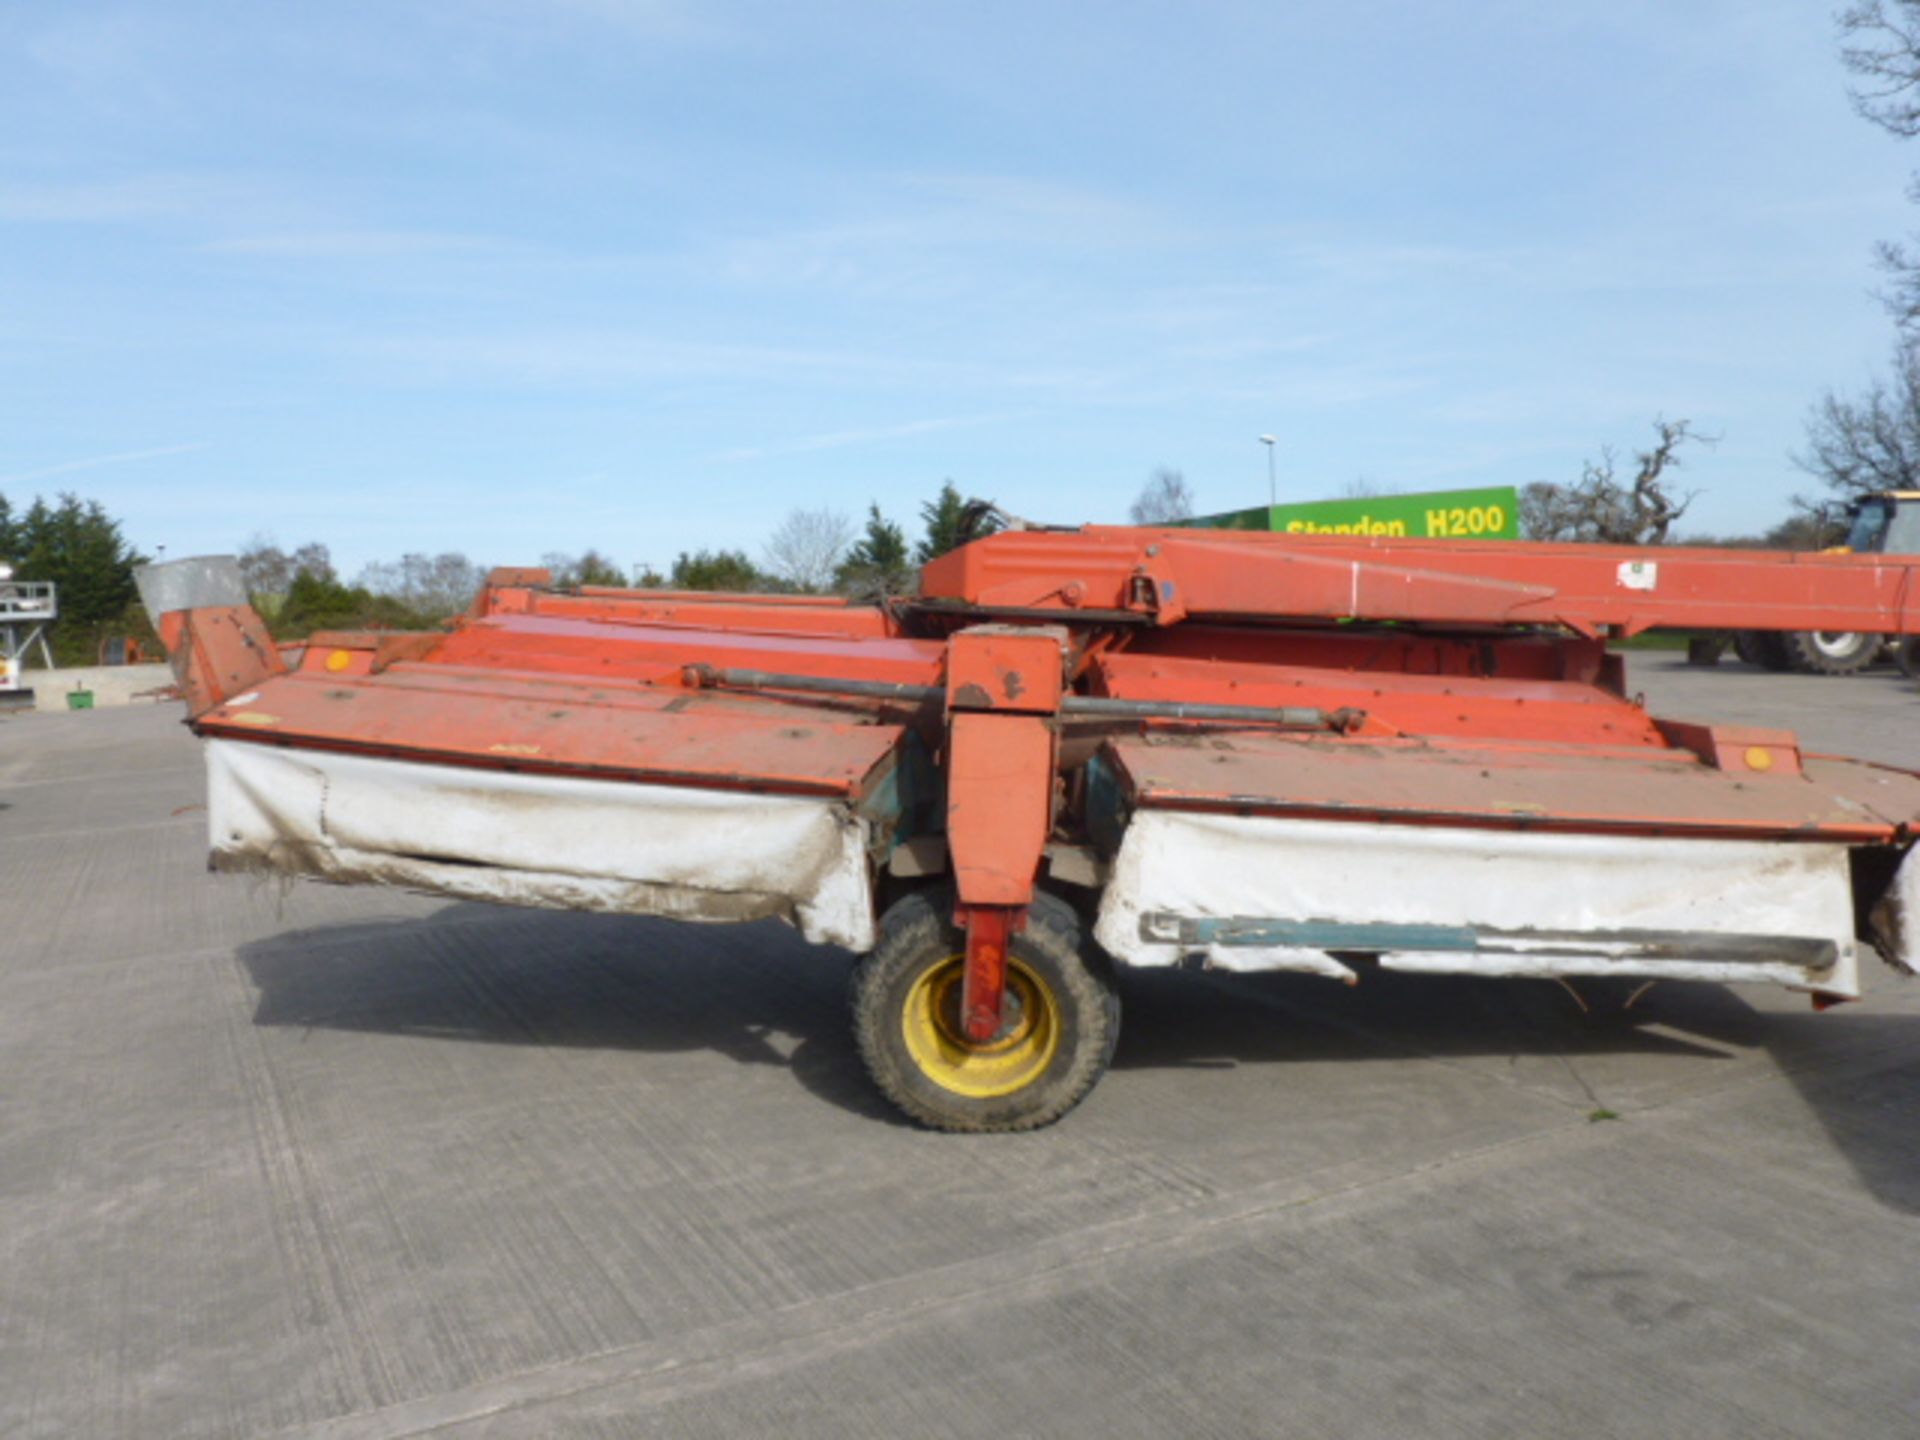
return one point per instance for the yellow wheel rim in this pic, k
(1015, 1058)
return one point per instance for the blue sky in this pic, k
(512, 277)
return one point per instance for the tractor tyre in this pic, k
(1831, 652)
(1906, 654)
(1765, 648)
(1061, 1018)
(1704, 651)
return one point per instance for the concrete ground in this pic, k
(354, 1163)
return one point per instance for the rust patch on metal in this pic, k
(972, 697)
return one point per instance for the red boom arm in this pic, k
(1163, 576)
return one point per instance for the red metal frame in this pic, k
(218, 652)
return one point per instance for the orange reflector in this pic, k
(339, 659)
(1759, 758)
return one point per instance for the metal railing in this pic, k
(27, 600)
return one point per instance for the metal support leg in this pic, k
(989, 929)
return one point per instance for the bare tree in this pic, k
(266, 569)
(1365, 487)
(806, 550)
(1165, 498)
(1855, 447)
(315, 559)
(1880, 43)
(1601, 506)
(436, 586)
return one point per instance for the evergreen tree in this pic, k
(713, 570)
(79, 547)
(321, 601)
(951, 522)
(942, 516)
(313, 602)
(597, 569)
(591, 568)
(878, 562)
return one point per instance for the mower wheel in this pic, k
(1061, 1018)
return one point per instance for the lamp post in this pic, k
(1273, 489)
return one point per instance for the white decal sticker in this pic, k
(1639, 574)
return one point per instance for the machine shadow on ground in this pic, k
(1234, 1019)
(760, 995)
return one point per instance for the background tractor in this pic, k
(1887, 523)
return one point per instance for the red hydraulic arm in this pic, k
(1164, 576)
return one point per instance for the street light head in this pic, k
(1269, 440)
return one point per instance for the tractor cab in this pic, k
(1887, 523)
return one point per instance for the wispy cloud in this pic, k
(610, 358)
(1360, 260)
(187, 196)
(96, 462)
(1022, 205)
(352, 244)
(931, 235)
(841, 439)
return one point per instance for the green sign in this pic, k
(1492, 513)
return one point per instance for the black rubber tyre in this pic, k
(1706, 650)
(1907, 656)
(1831, 652)
(1062, 1019)
(1765, 648)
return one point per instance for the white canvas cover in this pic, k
(544, 840)
(1207, 865)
